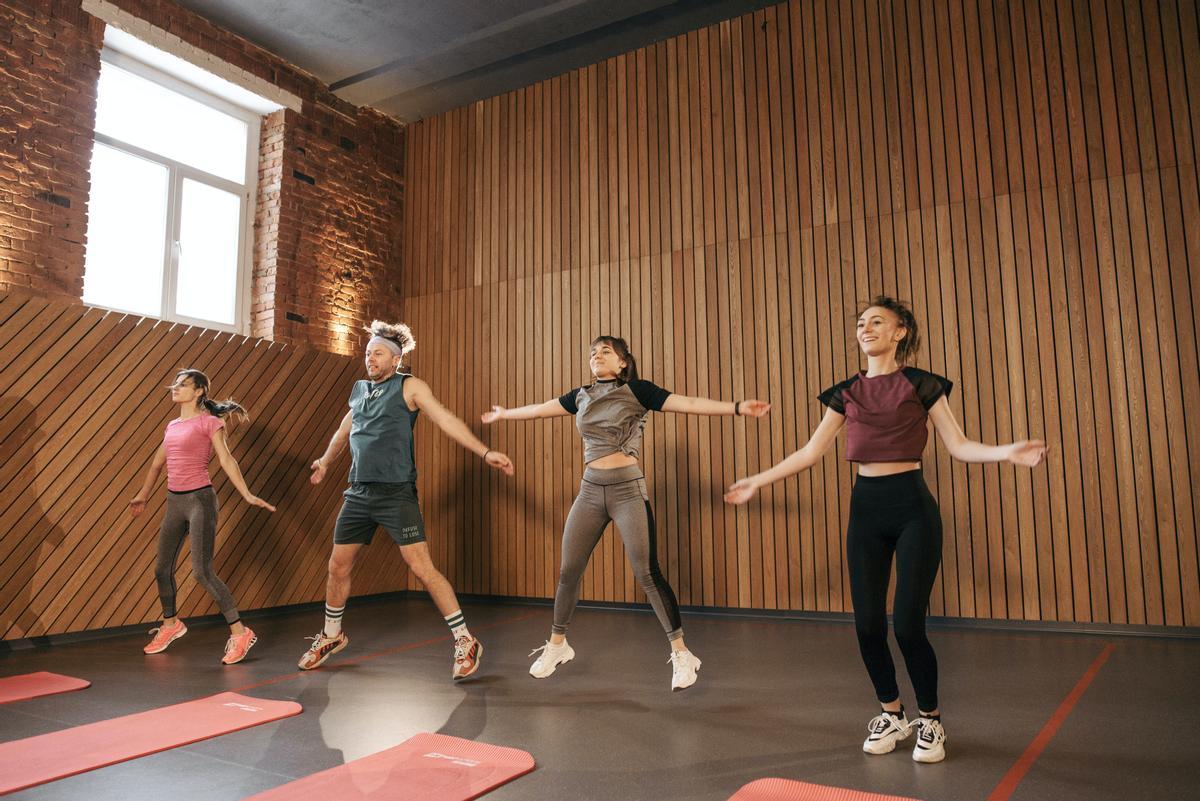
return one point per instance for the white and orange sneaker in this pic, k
(322, 648)
(164, 636)
(467, 653)
(237, 646)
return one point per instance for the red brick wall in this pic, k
(266, 225)
(49, 65)
(330, 194)
(329, 225)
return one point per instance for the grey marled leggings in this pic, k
(617, 495)
(191, 513)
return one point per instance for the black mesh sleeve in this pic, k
(567, 399)
(929, 386)
(649, 394)
(832, 397)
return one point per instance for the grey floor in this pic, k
(775, 698)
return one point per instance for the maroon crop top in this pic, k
(886, 415)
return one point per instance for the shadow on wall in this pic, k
(259, 554)
(280, 476)
(27, 536)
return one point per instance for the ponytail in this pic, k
(225, 408)
(220, 409)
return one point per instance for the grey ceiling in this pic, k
(415, 58)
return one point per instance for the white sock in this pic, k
(457, 624)
(333, 620)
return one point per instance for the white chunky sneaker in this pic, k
(684, 665)
(931, 739)
(886, 729)
(552, 656)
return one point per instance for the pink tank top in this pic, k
(189, 448)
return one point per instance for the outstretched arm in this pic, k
(336, 445)
(551, 408)
(230, 466)
(1029, 452)
(417, 393)
(817, 446)
(138, 504)
(688, 405)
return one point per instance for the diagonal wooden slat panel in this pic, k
(82, 410)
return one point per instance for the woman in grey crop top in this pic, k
(885, 410)
(610, 414)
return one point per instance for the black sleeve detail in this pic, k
(832, 397)
(567, 399)
(928, 386)
(649, 394)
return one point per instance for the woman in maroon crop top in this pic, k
(885, 411)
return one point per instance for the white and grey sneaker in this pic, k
(886, 729)
(552, 656)
(931, 738)
(684, 665)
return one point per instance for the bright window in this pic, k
(127, 228)
(171, 209)
(150, 116)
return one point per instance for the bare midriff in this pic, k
(612, 461)
(875, 469)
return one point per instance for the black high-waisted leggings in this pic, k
(894, 515)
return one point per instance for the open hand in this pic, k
(1028, 453)
(254, 500)
(753, 408)
(137, 506)
(741, 491)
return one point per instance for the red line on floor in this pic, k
(356, 660)
(1008, 784)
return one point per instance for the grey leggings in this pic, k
(617, 495)
(193, 513)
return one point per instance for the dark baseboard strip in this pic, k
(980, 624)
(977, 624)
(203, 621)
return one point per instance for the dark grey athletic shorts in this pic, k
(369, 506)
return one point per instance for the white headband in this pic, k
(387, 343)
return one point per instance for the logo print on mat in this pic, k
(243, 707)
(467, 763)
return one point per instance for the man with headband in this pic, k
(383, 489)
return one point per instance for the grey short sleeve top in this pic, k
(611, 415)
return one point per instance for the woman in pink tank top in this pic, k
(188, 446)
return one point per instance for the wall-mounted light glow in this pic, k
(343, 342)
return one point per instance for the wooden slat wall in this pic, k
(82, 410)
(1023, 172)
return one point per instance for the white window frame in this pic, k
(177, 172)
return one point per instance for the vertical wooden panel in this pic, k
(1024, 173)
